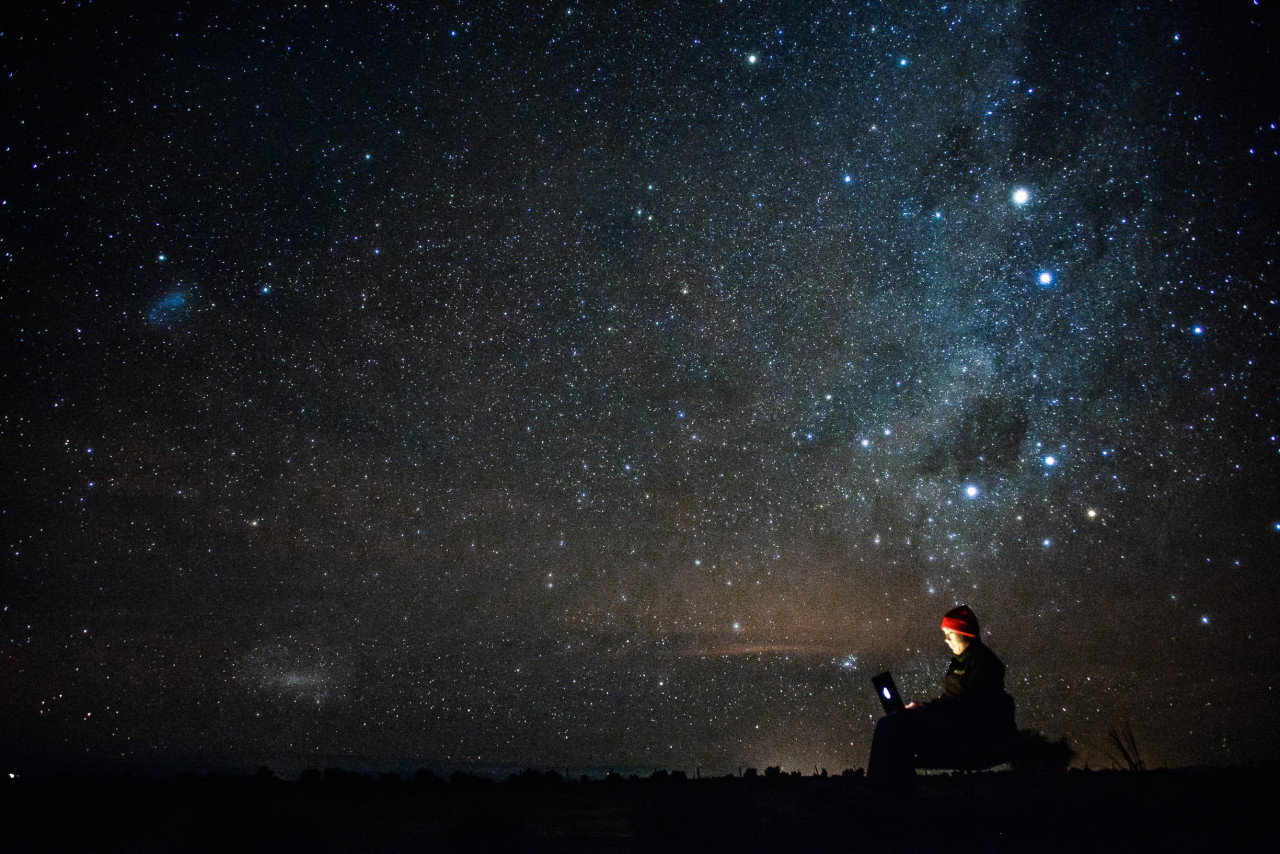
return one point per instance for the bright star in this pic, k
(1046, 279)
(971, 491)
(1050, 461)
(1021, 196)
(752, 58)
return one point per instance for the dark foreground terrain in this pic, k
(1081, 811)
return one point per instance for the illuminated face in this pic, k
(956, 642)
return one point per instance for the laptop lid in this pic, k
(888, 693)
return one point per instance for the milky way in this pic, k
(623, 385)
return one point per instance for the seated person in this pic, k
(970, 725)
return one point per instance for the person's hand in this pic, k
(912, 705)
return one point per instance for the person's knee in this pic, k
(890, 728)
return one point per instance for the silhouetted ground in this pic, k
(1164, 811)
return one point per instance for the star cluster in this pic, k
(623, 385)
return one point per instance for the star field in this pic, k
(624, 385)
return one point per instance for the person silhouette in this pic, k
(971, 725)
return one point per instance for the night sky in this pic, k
(624, 384)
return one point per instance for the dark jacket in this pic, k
(975, 675)
(973, 694)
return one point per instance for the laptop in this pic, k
(888, 693)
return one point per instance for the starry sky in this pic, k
(624, 384)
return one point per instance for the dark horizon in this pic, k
(546, 386)
(1175, 811)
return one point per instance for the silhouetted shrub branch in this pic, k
(1127, 748)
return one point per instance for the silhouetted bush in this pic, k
(462, 778)
(534, 777)
(342, 777)
(1036, 754)
(424, 777)
(1129, 756)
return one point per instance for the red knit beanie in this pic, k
(962, 621)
